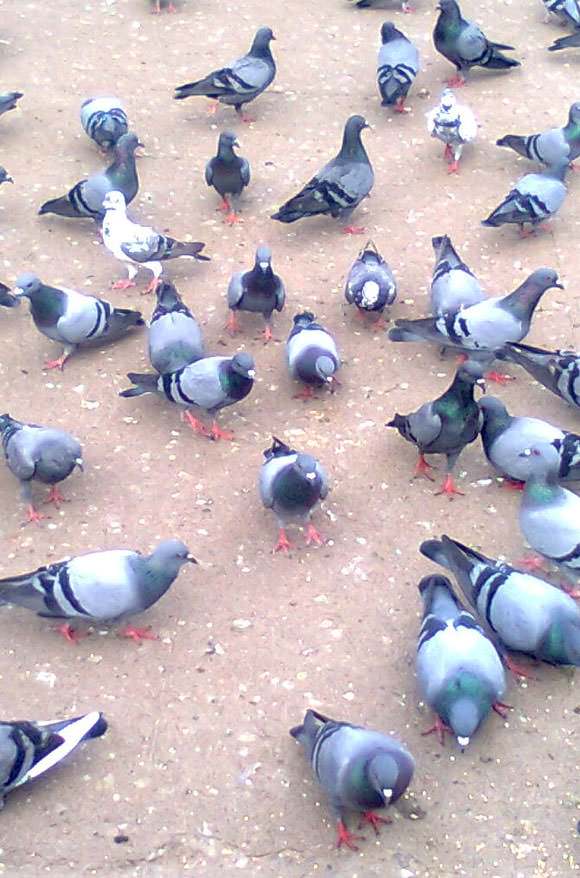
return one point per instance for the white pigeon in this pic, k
(139, 246)
(454, 125)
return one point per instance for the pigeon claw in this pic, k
(212, 108)
(399, 106)
(439, 728)
(56, 364)
(570, 590)
(532, 564)
(283, 544)
(151, 286)
(512, 485)
(195, 424)
(344, 837)
(232, 324)
(423, 468)
(374, 820)
(449, 489)
(456, 81)
(33, 515)
(312, 536)
(217, 433)
(307, 392)
(54, 496)
(268, 334)
(70, 634)
(232, 219)
(407, 8)
(501, 709)
(138, 634)
(517, 669)
(453, 167)
(354, 230)
(123, 284)
(499, 377)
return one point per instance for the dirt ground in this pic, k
(197, 774)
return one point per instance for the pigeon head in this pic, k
(228, 140)
(492, 407)
(439, 243)
(166, 293)
(263, 257)
(243, 364)
(27, 284)
(545, 278)
(574, 114)
(448, 6)
(127, 144)
(114, 201)
(472, 373)
(464, 718)
(261, 44)
(306, 466)
(325, 368)
(304, 318)
(170, 555)
(354, 126)
(448, 100)
(389, 32)
(390, 774)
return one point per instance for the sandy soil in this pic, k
(198, 772)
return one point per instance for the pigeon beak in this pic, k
(481, 384)
(251, 373)
(80, 463)
(8, 180)
(310, 476)
(191, 559)
(388, 795)
(236, 143)
(463, 742)
(558, 286)
(264, 265)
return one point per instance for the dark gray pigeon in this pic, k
(567, 11)
(453, 285)
(366, 4)
(85, 199)
(359, 770)
(339, 187)
(525, 613)
(534, 198)
(258, 290)
(39, 454)
(570, 42)
(159, 5)
(559, 371)
(465, 45)
(312, 355)
(397, 66)
(446, 425)
(458, 668)
(554, 146)
(98, 587)
(175, 338)
(229, 174)
(291, 484)
(29, 749)
(71, 318)
(104, 120)
(209, 384)
(370, 284)
(7, 300)
(239, 82)
(5, 176)
(8, 100)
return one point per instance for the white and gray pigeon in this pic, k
(551, 147)
(339, 187)
(229, 174)
(567, 11)
(559, 371)
(570, 42)
(98, 587)
(453, 285)
(397, 66)
(209, 384)
(458, 667)
(359, 769)
(312, 355)
(9, 100)
(175, 338)
(259, 291)
(454, 125)
(370, 284)
(104, 120)
(291, 484)
(504, 437)
(534, 199)
(524, 613)
(29, 749)
(40, 454)
(71, 318)
(241, 81)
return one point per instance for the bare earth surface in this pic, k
(198, 770)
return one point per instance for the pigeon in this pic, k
(397, 66)
(366, 4)
(7, 299)
(104, 120)
(209, 384)
(139, 246)
(72, 318)
(459, 670)
(175, 338)
(339, 187)
(41, 454)
(258, 290)
(240, 82)
(454, 125)
(99, 586)
(465, 45)
(229, 174)
(505, 437)
(567, 11)
(291, 484)
(312, 355)
(446, 425)
(85, 199)
(8, 100)
(359, 769)
(29, 749)
(159, 5)
(569, 42)
(535, 198)
(5, 176)
(453, 285)
(559, 371)
(524, 613)
(370, 284)
(554, 146)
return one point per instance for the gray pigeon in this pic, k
(159, 5)
(370, 284)
(258, 290)
(465, 45)
(525, 613)
(453, 285)
(104, 120)
(459, 670)
(339, 187)
(7, 300)
(291, 484)
(559, 371)
(534, 198)
(85, 199)
(39, 454)
(359, 769)
(229, 174)
(570, 42)
(366, 4)
(209, 384)
(98, 587)
(29, 749)
(8, 100)
(567, 11)
(240, 82)
(175, 338)
(554, 146)
(312, 355)
(505, 437)
(446, 425)
(72, 318)
(397, 66)
(5, 176)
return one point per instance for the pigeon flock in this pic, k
(483, 621)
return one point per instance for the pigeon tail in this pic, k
(515, 142)
(120, 321)
(60, 206)
(145, 382)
